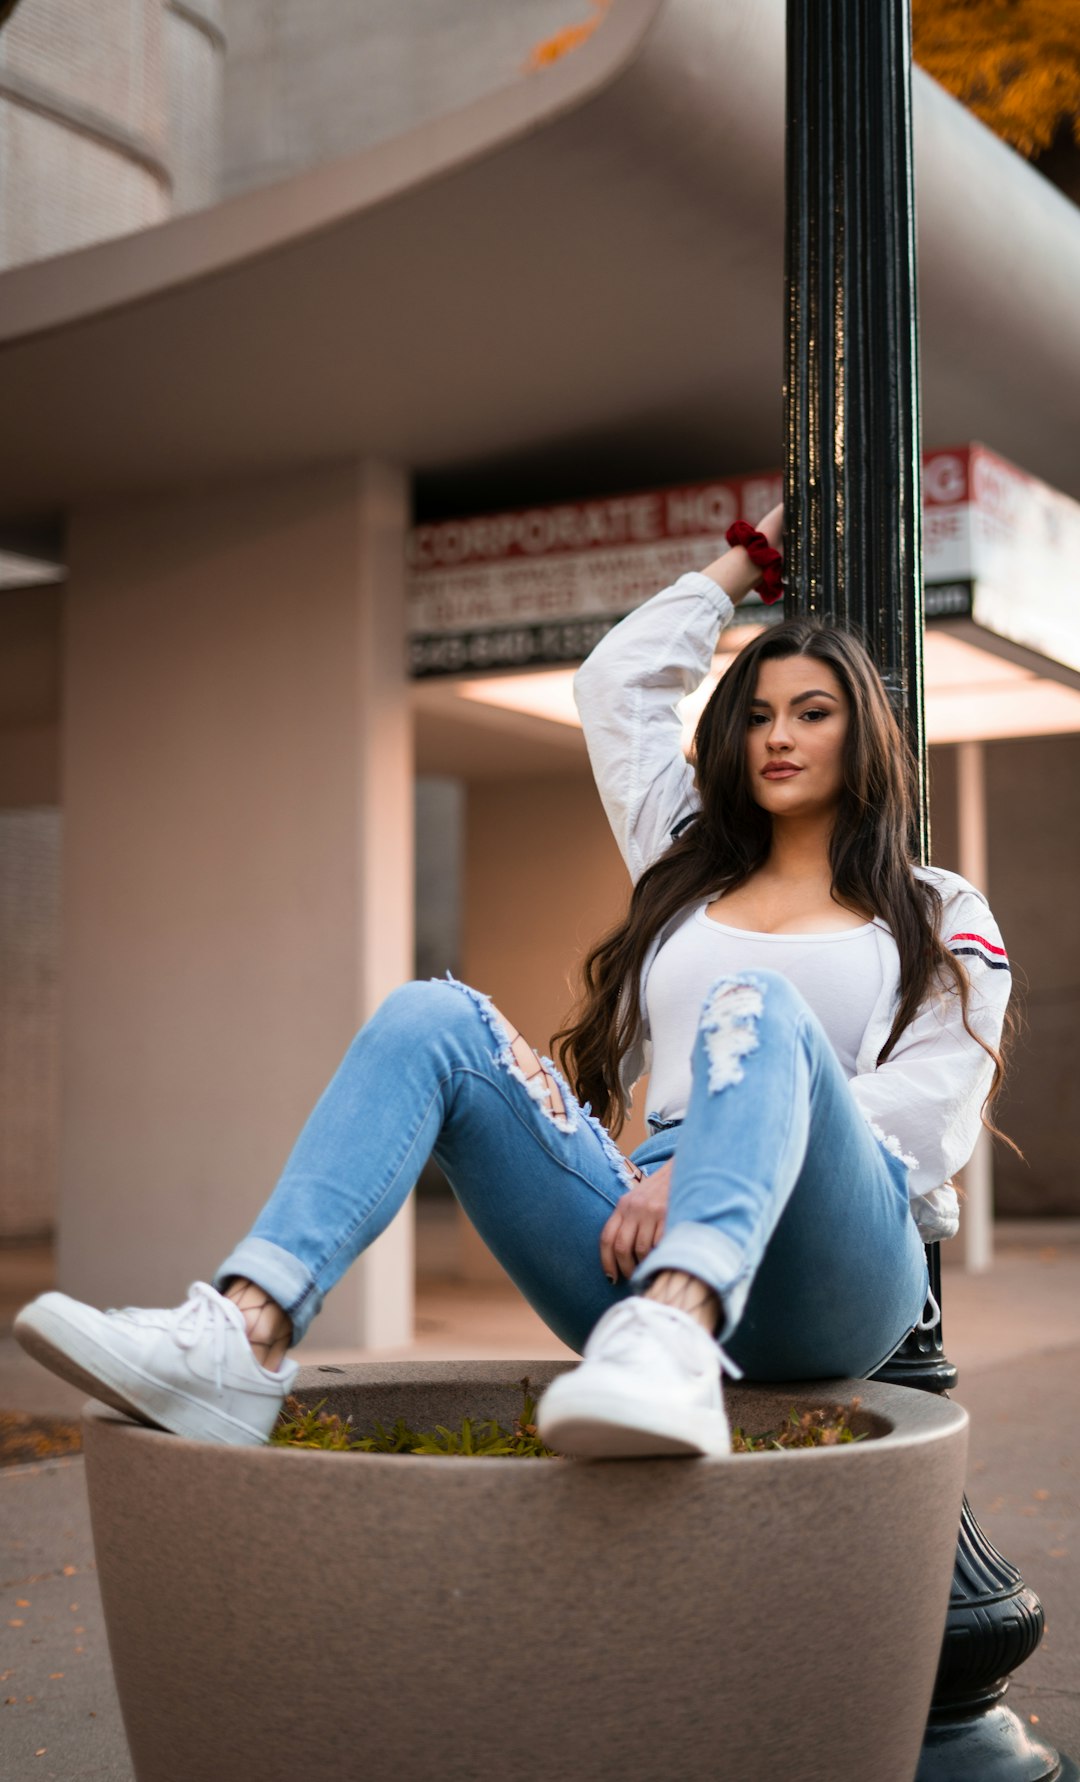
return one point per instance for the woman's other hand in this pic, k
(772, 526)
(735, 573)
(637, 1224)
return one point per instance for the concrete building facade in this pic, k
(564, 284)
(110, 120)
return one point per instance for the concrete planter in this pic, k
(286, 1614)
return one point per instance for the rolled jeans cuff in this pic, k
(700, 1250)
(280, 1274)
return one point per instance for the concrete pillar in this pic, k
(238, 865)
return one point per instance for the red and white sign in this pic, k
(1024, 550)
(543, 584)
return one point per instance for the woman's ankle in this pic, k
(269, 1329)
(687, 1294)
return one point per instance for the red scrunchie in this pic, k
(762, 554)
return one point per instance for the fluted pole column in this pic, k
(851, 418)
(854, 557)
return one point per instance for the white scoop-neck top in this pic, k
(839, 973)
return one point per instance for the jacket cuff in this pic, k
(718, 597)
(936, 1214)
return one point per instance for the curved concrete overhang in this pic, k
(581, 271)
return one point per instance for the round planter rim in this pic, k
(913, 1418)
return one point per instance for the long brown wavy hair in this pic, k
(721, 846)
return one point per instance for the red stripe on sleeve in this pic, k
(990, 948)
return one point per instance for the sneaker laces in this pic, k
(205, 1311)
(627, 1320)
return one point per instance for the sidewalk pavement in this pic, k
(1014, 1334)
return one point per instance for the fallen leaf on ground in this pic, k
(25, 1438)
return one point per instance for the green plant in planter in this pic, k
(303, 1426)
(480, 1439)
(813, 1429)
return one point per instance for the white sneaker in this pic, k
(649, 1383)
(189, 1369)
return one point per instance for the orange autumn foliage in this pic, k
(1014, 63)
(553, 48)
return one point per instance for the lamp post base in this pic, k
(993, 1625)
(993, 1745)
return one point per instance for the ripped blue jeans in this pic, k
(782, 1200)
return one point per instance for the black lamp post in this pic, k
(852, 431)
(854, 556)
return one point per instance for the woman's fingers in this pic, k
(649, 1235)
(617, 1244)
(643, 1240)
(607, 1246)
(625, 1257)
(627, 1239)
(637, 1223)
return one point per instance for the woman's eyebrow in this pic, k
(814, 693)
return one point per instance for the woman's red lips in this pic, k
(780, 770)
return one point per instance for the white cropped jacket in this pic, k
(924, 1102)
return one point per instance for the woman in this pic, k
(822, 1020)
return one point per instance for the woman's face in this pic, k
(795, 737)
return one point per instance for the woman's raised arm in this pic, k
(629, 687)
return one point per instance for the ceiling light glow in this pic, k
(972, 695)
